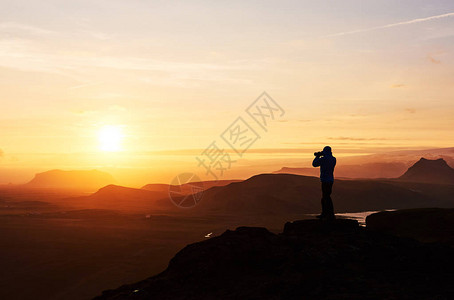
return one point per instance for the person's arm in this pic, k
(317, 162)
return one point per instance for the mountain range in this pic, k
(286, 194)
(389, 165)
(366, 170)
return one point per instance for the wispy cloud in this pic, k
(297, 120)
(433, 60)
(79, 86)
(398, 85)
(14, 28)
(348, 138)
(32, 55)
(419, 20)
(76, 55)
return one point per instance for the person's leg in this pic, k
(329, 202)
(322, 201)
(325, 195)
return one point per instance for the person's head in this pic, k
(327, 150)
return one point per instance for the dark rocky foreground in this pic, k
(311, 259)
(427, 225)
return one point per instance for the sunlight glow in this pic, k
(110, 138)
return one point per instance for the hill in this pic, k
(279, 195)
(287, 193)
(429, 171)
(187, 187)
(310, 259)
(75, 179)
(364, 170)
(121, 198)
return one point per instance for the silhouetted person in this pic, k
(326, 161)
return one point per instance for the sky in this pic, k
(171, 76)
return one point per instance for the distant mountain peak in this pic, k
(432, 163)
(438, 160)
(430, 171)
(111, 187)
(73, 179)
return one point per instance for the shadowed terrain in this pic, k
(310, 259)
(76, 254)
(70, 244)
(428, 225)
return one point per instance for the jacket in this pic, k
(326, 164)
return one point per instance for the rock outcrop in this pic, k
(432, 225)
(310, 259)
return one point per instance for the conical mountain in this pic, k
(430, 171)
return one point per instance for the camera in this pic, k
(318, 153)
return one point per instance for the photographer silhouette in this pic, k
(326, 161)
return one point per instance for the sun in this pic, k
(110, 138)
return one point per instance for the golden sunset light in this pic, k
(110, 138)
(241, 149)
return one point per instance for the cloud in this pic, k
(24, 29)
(83, 112)
(84, 85)
(30, 55)
(433, 60)
(348, 138)
(116, 107)
(297, 120)
(419, 20)
(398, 85)
(410, 110)
(29, 48)
(1, 153)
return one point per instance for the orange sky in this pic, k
(360, 76)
